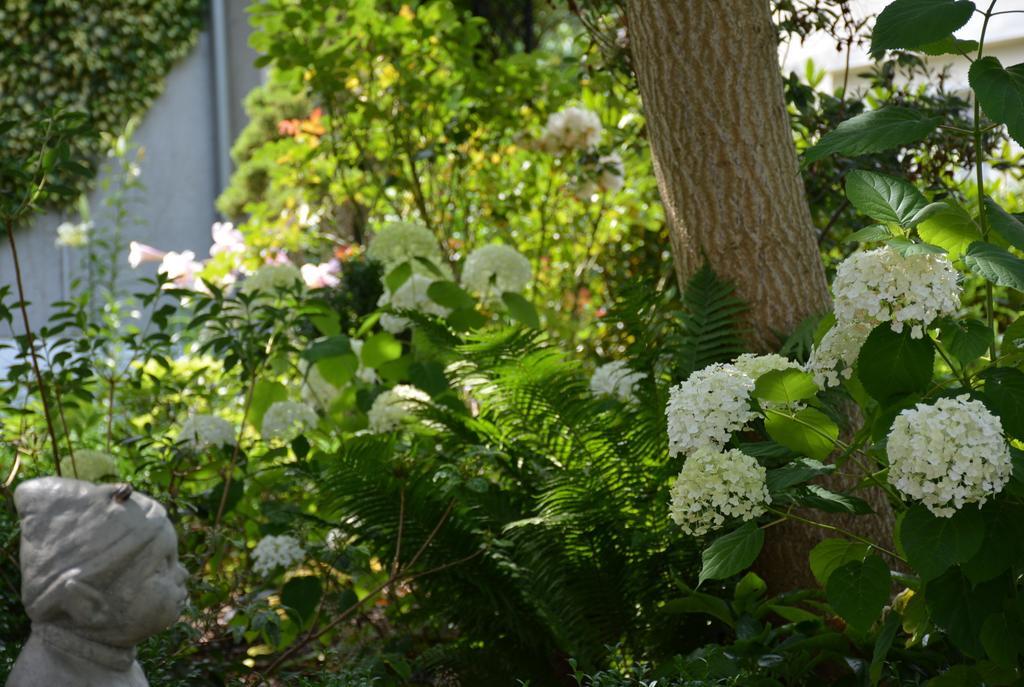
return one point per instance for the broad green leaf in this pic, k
(949, 46)
(330, 347)
(1001, 93)
(750, 588)
(817, 496)
(1013, 338)
(732, 553)
(966, 340)
(910, 24)
(830, 554)
(950, 227)
(698, 602)
(379, 349)
(933, 544)
(859, 590)
(882, 645)
(1005, 224)
(961, 609)
(1004, 396)
(795, 472)
(809, 432)
(302, 595)
(1001, 639)
(338, 370)
(892, 365)
(1002, 546)
(785, 386)
(465, 319)
(265, 394)
(884, 198)
(907, 247)
(450, 295)
(398, 276)
(875, 232)
(995, 264)
(874, 132)
(521, 309)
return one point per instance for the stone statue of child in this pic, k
(100, 573)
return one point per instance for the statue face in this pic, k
(149, 596)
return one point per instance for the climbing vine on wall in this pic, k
(105, 58)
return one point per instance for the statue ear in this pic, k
(87, 606)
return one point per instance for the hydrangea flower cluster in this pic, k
(883, 285)
(494, 269)
(412, 295)
(276, 551)
(616, 379)
(89, 465)
(203, 431)
(707, 408)
(286, 420)
(833, 358)
(317, 389)
(948, 454)
(401, 242)
(270, 278)
(754, 365)
(716, 486)
(72, 235)
(395, 407)
(574, 128)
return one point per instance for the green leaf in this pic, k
(750, 588)
(874, 132)
(785, 386)
(995, 264)
(265, 393)
(1013, 338)
(732, 553)
(302, 595)
(933, 544)
(808, 432)
(910, 24)
(1002, 546)
(892, 365)
(905, 247)
(1000, 639)
(885, 198)
(875, 232)
(961, 609)
(859, 590)
(379, 349)
(450, 295)
(521, 309)
(795, 472)
(698, 602)
(339, 370)
(950, 227)
(465, 319)
(949, 46)
(830, 554)
(966, 340)
(816, 496)
(330, 347)
(398, 276)
(1004, 396)
(1001, 93)
(1005, 224)
(882, 645)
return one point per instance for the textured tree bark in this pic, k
(728, 177)
(724, 156)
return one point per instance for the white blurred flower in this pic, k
(756, 365)
(180, 268)
(611, 176)
(276, 551)
(411, 295)
(321, 276)
(226, 239)
(832, 360)
(616, 379)
(493, 269)
(948, 454)
(203, 431)
(400, 242)
(139, 253)
(714, 487)
(88, 465)
(72, 235)
(707, 408)
(883, 285)
(394, 408)
(286, 420)
(574, 128)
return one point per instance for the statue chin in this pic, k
(100, 573)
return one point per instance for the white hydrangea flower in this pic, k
(399, 242)
(276, 551)
(832, 360)
(494, 269)
(613, 175)
(714, 487)
(286, 420)
(89, 465)
(883, 285)
(948, 454)
(574, 128)
(395, 407)
(754, 365)
(270, 278)
(203, 431)
(412, 295)
(73, 235)
(707, 408)
(616, 379)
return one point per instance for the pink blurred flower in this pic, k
(139, 253)
(226, 239)
(323, 275)
(181, 268)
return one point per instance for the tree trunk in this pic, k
(724, 157)
(728, 177)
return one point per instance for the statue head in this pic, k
(98, 560)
